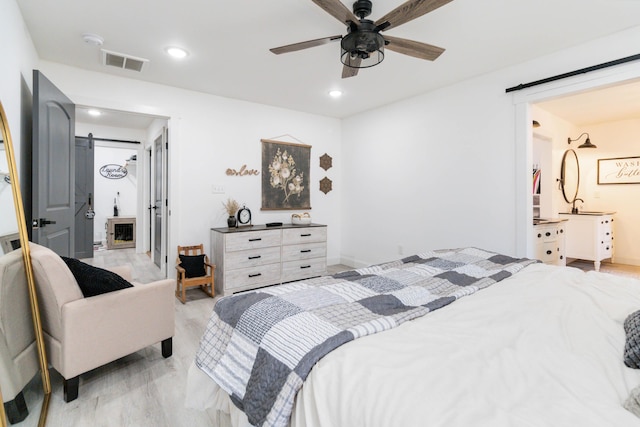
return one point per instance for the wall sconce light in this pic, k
(586, 144)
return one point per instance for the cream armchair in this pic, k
(18, 352)
(81, 333)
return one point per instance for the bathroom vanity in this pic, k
(550, 237)
(589, 236)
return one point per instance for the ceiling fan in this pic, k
(363, 46)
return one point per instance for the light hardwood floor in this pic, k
(144, 389)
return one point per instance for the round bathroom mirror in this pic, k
(570, 176)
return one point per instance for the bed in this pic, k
(520, 344)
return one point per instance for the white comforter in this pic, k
(543, 348)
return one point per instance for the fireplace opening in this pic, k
(121, 232)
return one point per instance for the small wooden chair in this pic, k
(193, 269)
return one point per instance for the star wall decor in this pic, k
(325, 161)
(325, 185)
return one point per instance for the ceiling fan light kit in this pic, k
(363, 46)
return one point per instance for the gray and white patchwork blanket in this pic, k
(260, 345)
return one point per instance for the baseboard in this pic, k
(626, 261)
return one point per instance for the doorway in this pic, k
(124, 143)
(524, 102)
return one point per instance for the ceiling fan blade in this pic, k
(338, 10)
(410, 10)
(413, 48)
(304, 45)
(350, 71)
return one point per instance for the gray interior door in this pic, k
(84, 212)
(53, 195)
(157, 200)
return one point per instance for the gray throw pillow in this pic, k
(632, 344)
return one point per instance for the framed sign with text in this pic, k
(621, 170)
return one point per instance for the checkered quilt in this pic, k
(260, 345)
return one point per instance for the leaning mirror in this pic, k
(22, 353)
(570, 176)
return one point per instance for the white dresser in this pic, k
(248, 258)
(590, 236)
(550, 241)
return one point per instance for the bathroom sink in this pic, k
(589, 213)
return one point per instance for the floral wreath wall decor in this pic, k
(285, 175)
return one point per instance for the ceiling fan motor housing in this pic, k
(362, 8)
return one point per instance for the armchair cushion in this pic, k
(193, 265)
(93, 280)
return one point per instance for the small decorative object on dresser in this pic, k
(301, 219)
(244, 217)
(231, 206)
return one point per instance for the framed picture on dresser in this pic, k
(285, 175)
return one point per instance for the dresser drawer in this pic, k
(252, 258)
(252, 240)
(251, 277)
(304, 251)
(302, 269)
(293, 236)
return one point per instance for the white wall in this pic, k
(207, 135)
(442, 169)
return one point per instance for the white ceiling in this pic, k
(229, 44)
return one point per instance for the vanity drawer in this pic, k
(252, 258)
(293, 236)
(302, 269)
(304, 251)
(252, 240)
(247, 278)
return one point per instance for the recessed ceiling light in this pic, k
(92, 39)
(335, 93)
(94, 113)
(176, 52)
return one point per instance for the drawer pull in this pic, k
(539, 235)
(306, 235)
(547, 234)
(548, 252)
(305, 266)
(256, 239)
(305, 251)
(255, 275)
(255, 257)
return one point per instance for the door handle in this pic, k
(36, 223)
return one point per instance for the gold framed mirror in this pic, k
(10, 251)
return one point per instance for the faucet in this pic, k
(574, 210)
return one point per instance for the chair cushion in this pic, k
(93, 280)
(193, 265)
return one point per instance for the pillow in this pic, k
(632, 344)
(632, 404)
(93, 280)
(193, 265)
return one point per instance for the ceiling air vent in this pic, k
(122, 61)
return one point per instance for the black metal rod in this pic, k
(109, 140)
(575, 73)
